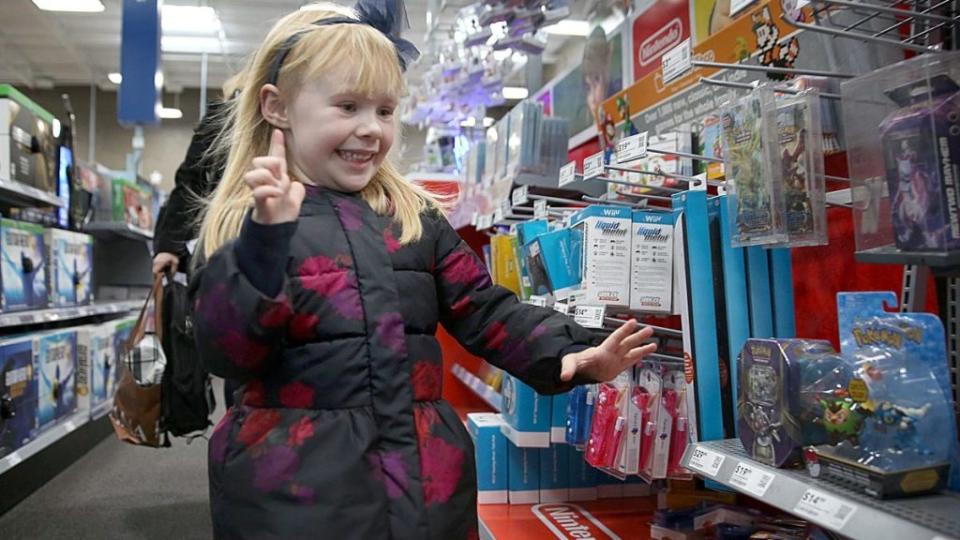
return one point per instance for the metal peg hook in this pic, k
(773, 69)
(679, 177)
(861, 37)
(889, 10)
(746, 86)
(704, 159)
(597, 200)
(645, 196)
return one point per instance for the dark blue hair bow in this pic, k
(387, 16)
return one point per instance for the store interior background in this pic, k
(46, 54)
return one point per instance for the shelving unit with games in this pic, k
(747, 187)
(69, 290)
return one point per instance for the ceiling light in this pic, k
(515, 92)
(569, 27)
(77, 6)
(115, 77)
(191, 44)
(487, 121)
(190, 20)
(469, 122)
(170, 113)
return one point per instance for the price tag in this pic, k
(498, 215)
(589, 316)
(568, 174)
(593, 166)
(676, 61)
(484, 221)
(537, 300)
(706, 461)
(633, 147)
(561, 307)
(824, 509)
(540, 209)
(751, 479)
(520, 195)
(473, 218)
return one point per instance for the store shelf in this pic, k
(480, 388)
(21, 194)
(48, 437)
(23, 318)
(111, 230)
(891, 255)
(844, 511)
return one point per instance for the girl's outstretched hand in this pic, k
(275, 198)
(621, 350)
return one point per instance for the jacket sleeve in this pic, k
(195, 178)
(239, 329)
(489, 321)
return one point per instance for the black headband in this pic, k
(387, 16)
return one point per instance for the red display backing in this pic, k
(625, 518)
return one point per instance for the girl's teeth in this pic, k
(351, 156)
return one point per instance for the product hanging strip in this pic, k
(773, 69)
(748, 86)
(861, 37)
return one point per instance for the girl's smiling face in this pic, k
(338, 137)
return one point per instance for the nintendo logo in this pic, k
(569, 521)
(666, 38)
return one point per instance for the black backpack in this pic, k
(187, 398)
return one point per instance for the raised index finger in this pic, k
(279, 150)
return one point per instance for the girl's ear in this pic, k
(272, 107)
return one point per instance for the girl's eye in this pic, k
(386, 112)
(348, 107)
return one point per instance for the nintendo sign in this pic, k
(656, 30)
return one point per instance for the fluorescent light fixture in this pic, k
(469, 122)
(170, 113)
(115, 78)
(191, 44)
(202, 20)
(76, 6)
(515, 92)
(569, 27)
(487, 121)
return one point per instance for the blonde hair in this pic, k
(320, 49)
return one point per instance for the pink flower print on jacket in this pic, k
(350, 215)
(257, 425)
(393, 245)
(300, 432)
(275, 467)
(390, 334)
(218, 311)
(296, 395)
(338, 285)
(441, 465)
(389, 468)
(303, 326)
(427, 380)
(462, 267)
(219, 441)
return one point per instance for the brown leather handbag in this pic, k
(136, 413)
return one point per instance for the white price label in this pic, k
(537, 300)
(560, 307)
(498, 215)
(568, 174)
(540, 209)
(593, 166)
(520, 195)
(506, 207)
(589, 316)
(824, 509)
(751, 479)
(484, 221)
(473, 218)
(633, 147)
(706, 461)
(676, 61)
(736, 6)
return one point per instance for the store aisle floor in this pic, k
(121, 491)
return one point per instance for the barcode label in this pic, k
(520, 195)
(540, 209)
(676, 61)
(751, 479)
(498, 215)
(633, 147)
(568, 173)
(484, 221)
(537, 300)
(706, 461)
(560, 307)
(825, 509)
(593, 166)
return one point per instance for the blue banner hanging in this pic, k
(140, 91)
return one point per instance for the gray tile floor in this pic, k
(121, 491)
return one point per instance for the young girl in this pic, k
(326, 275)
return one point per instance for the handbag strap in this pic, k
(140, 329)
